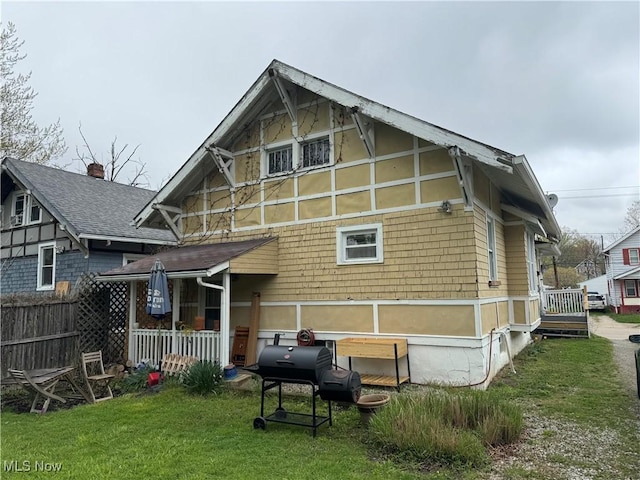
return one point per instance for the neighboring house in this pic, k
(622, 260)
(57, 225)
(354, 220)
(597, 284)
(588, 269)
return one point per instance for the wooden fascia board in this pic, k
(394, 118)
(523, 169)
(526, 216)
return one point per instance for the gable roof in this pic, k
(87, 207)
(511, 173)
(622, 239)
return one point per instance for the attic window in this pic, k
(280, 160)
(25, 210)
(316, 152)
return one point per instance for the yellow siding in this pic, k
(398, 196)
(218, 221)
(353, 202)
(394, 169)
(248, 195)
(193, 203)
(391, 140)
(481, 186)
(503, 309)
(534, 309)
(482, 252)
(248, 138)
(278, 317)
(351, 177)
(283, 212)
(517, 260)
(239, 316)
(263, 259)
(247, 167)
(247, 217)
(312, 183)
(424, 143)
(216, 179)
(313, 118)
(348, 146)
(435, 161)
(439, 189)
(315, 208)
(219, 199)
(277, 189)
(519, 315)
(341, 116)
(341, 318)
(455, 320)
(427, 255)
(276, 129)
(489, 317)
(192, 225)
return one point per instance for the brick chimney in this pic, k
(95, 170)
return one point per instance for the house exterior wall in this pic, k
(615, 266)
(19, 274)
(433, 283)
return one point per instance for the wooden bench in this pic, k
(173, 364)
(380, 348)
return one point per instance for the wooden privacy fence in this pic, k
(39, 336)
(48, 332)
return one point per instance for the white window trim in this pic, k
(531, 262)
(128, 258)
(636, 260)
(492, 260)
(342, 232)
(39, 286)
(26, 212)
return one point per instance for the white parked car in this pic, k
(596, 301)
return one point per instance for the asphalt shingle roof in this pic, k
(89, 205)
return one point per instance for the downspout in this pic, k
(224, 318)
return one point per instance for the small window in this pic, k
(316, 153)
(630, 288)
(634, 256)
(25, 210)
(491, 245)
(280, 160)
(46, 266)
(531, 262)
(360, 244)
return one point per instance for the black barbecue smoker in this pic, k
(303, 365)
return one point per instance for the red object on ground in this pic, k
(154, 378)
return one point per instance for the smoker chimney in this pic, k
(95, 170)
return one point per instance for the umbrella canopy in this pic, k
(158, 301)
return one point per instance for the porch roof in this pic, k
(629, 274)
(259, 256)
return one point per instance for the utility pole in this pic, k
(555, 273)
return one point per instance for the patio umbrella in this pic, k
(158, 301)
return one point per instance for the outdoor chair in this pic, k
(97, 380)
(43, 391)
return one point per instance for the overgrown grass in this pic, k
(447, 428)
(627, 318)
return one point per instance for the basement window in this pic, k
(359, 244)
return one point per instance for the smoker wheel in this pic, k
(281, 413)
(259, 422)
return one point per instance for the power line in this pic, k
(604, 196)
(589, 189)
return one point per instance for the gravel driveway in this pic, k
(547, 442)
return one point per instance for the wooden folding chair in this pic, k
(97, 380)
(43, 391)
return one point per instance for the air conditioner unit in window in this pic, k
(16, 220)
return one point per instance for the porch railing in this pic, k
(152, 344)
(563, 302)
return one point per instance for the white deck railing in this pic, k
(152, 344)
(563, 302)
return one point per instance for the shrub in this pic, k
(136, 381)
(203, 378)
(447, 428)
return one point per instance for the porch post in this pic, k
(225, 325)
(175, 313)
(132, 319)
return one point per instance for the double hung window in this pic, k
(630, 289)
(360, 244)
(491, 246)
(46, 266)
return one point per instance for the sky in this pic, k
(557, 82)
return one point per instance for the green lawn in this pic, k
(172, 435)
